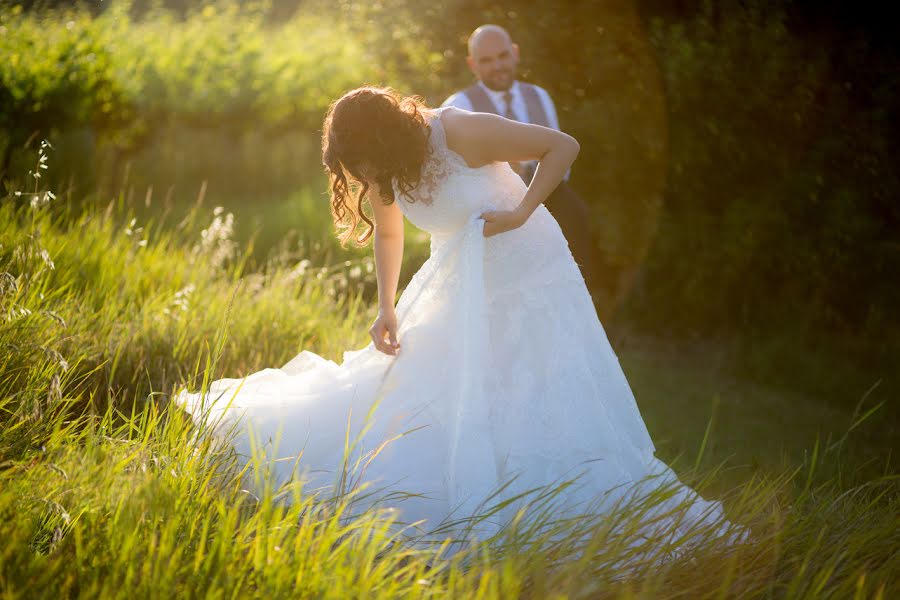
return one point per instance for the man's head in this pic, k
(493, 57)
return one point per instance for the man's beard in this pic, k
(501, 81)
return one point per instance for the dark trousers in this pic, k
(571, 212)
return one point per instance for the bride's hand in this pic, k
(385, 326)
(498, 221)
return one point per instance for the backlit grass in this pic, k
(106, 489)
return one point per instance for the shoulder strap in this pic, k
(437, 139)
(536, 113)
(479, 99)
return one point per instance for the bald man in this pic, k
(493, 59)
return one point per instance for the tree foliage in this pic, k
(739, 160)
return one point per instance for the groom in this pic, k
(493, 58)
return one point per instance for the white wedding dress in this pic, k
(505, 372)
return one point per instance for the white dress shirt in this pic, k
(460, 100)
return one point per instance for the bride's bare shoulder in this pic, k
(462, 130)
(464, 121)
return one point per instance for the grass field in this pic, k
(103, 492)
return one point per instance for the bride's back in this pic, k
(451, 194)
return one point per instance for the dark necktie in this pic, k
(522, 169)
(509, 112)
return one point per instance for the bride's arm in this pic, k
(481, 138)
(388, 249)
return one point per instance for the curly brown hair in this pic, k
(371, 134)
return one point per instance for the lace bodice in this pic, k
(451, 194)
(450, 191)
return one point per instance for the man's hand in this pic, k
(498, 221)
(385, 326)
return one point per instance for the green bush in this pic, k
(778, 189)
(219, 67)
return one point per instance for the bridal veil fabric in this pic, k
(505, 376)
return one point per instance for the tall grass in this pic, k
(108, 490)
(132, 505)
(132, 305)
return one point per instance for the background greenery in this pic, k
(738, 161)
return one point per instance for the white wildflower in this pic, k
(181, 301)
(39, 200)
(130, 228)
(45, 256)
(300, 270)
(216, 239)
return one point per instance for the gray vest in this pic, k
(481, 102)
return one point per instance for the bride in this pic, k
(492, 376)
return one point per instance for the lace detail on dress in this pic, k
(439, 163)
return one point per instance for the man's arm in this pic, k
(552, 118)
(459, 100)
(549, 107)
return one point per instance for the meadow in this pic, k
(107, 490)
(173, 229)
